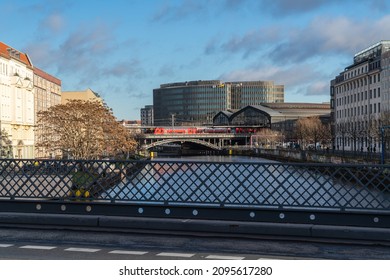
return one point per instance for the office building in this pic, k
(47, 93)
(147, 115)
(197, 102)
(360, 100)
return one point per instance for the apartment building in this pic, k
(17, 117)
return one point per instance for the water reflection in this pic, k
(239, 181)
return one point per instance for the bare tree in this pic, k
(267, 137)
(342, 132)
(5, 145)
(354, 131)
(312, 130)
(385, 122)
(371, 132)
(84, 130)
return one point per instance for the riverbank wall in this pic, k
(308, 156)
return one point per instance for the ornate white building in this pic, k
(17, 100)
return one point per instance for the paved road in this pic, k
(39, 251)
(88, 244)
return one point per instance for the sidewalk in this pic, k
(282, 231)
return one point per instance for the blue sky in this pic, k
(123, 49)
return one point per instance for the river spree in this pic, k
(250, 182)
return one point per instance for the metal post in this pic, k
(383, 143)
(173, 120)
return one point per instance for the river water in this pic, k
(245, 181)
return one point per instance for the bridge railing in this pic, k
(273, 192)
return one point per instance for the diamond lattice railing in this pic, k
(209, 183)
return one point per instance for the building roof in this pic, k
(281, 111)
(9, 52)
(294, 106)
(86, 95)
(47, 76)
(268, 111)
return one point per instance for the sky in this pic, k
(123, 49)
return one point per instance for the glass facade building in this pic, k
(197, 102)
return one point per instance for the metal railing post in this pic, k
(383, 143)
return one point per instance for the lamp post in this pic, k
(383, 142)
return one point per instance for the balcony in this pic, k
(16, 81)
(28, 84)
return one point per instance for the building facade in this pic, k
(86, 95)
(17, 117)
(360, 100)
(197, 102)
(276, 116)
(47, 93)
(147, 115)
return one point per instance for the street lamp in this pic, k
(383, 142)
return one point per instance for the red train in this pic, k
(199, 130)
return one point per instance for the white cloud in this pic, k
(318, 88)
(300, 78)
(54, 22)
(323, 36)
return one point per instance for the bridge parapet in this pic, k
(194, 136)
(328, 194)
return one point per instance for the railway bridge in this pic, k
(212, 141)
